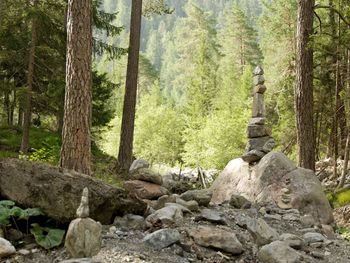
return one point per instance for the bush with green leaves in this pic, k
(49, 152)
(46, 237)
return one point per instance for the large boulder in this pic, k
(58, 193)
(145, 190)
(275, 179)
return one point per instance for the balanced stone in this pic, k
(259, 80)
(258, 71)
(253, 156)
(260, 89)
(257, 121)
(257, 143)
(83, 209)
(258, 105)
(255, 131)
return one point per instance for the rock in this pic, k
(202, 197)
(317, 254)
(261, 88)
(342, 216)
(83, 209)
(259, 80)
(257, 121)
(263, 144)
(211, 216)
(255, 131)
(238, 201)
(58, 194)
(192, 205)
(24, 252)
(313, 237)
(258, 71)
(328, 231)
(165, 217)
(181, 207)
(6, 248)
(253, 156)
(278, 252)
(80, 260)
(130, 221)
(261, 231)
(147, 175)
(292, 240)
(138, 164)
(83, 238)
(307, 220)
(273, 217)
(258, 105)
(214, 237)
(163, 200)
(14, 235)
(145, 190)
(162, 238)
(263, 183)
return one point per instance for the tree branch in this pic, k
(335, 10)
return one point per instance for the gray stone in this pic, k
(261, 88)
(162, 238)
(218, 238)
(181, 207)
(253, 156)
(211, 216)
(238, 201)
(273, 217)
(202, 197)
(6, 248)
(255, 131)
(83, 209)
(165, 216)
(269, 145)
(261, 231)
(307, 220)
(24, 252)
(130, 221)
(317, 254)
(278, 252)
(258, 105)
(163, 200)
(191, 205)
(83, 238)
(313, 237)
(258, 71)
(138, 164)
(292, 240)
(259, 80)
(80, 260)
(257, 121)
(147, 175)
(257, 143)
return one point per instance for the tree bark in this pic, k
(304, 86)
(27, 115)
(128, 120)
(76, 141)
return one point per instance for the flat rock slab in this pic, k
(211, 216)
(58, 193)
(218, 238)
(145, 190)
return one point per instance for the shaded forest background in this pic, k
(195, 76)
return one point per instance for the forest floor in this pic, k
(122, 244)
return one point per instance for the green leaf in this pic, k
(16, 211)
(29, 212)
(7, 203)
(47, 237)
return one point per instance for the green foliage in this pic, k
(49, 152)
(47, 237)
(344, 232)
(339, 199)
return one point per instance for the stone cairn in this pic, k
(84, 235)
(260, 141)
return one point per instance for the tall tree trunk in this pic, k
(304, 87)
(76, 141)
(30, 79)
(129, 108)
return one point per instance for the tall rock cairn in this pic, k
(260, 141)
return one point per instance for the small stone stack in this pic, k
(84, 235)
(260, 141)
